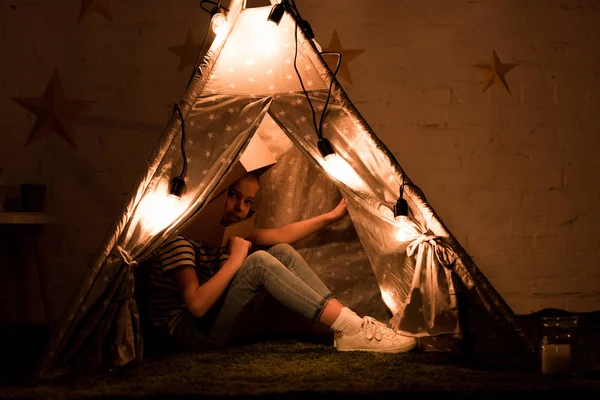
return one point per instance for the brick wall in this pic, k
(513, 176)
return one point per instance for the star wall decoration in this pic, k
(495, 72)
(335, 45)
(10, 4)
(54, 112)
(103, 7)
(187, 52)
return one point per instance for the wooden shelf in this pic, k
(32, 218)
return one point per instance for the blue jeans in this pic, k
(282, 271)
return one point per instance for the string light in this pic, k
(219, 22)
(177, 186)
(277, 12)
(159, 209)
(406, 229)
(337, 167)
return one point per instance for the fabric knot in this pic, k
(413, 246)
(126, 257)
(444, 254)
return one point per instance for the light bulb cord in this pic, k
(183, 156)
(337, 67)
(318, 128)
(401, 194)
(216, 6)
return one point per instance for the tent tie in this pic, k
(444, 254)
(412, 247)
(126, 257)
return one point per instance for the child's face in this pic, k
(240, 198)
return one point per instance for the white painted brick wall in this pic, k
(514, 177)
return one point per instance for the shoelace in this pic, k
(375, 329)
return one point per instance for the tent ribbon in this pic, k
(430, 308)
(125, 256)
(443, 253)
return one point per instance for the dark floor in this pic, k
(287, 368)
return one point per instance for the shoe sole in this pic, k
(402, 349)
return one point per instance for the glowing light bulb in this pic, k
(338, 168)
(159, 210)
(406, 230)
(267, 40)
(219, 23)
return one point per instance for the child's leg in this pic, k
(291, 259)
(261, 269)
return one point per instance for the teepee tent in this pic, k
(270, 80)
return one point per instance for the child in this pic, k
(198, 291)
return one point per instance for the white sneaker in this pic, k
(374, 336)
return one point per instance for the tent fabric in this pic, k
(431, 306)
(248, 84)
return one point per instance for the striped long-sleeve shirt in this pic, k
(166, 302)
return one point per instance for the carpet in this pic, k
(288, 368)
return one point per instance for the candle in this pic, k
(556, 358)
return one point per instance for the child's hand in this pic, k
(339, 211)
(238, 247)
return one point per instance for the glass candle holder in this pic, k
(558, 344)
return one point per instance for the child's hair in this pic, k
(251, 175)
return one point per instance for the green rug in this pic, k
(293, 369)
